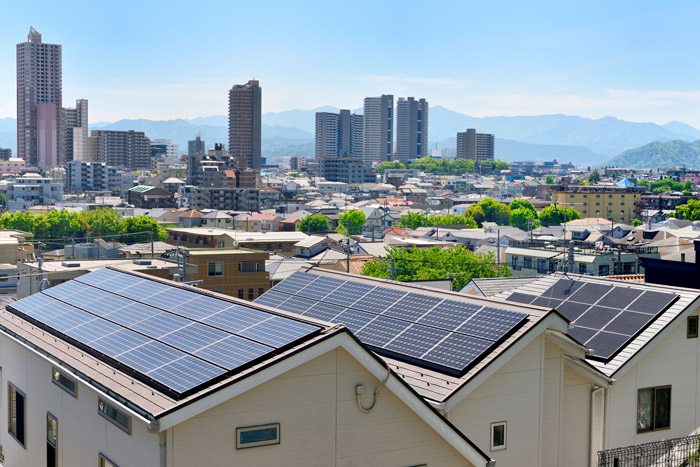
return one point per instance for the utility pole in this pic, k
(570, 266)
(392, 268)
(498, 247)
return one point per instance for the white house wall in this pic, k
(320, 424)
(82, 432)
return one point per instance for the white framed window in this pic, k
(64, 382)
(114, 415)
(499, 435)
(260, 435)
(16, 412)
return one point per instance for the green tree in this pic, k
(351, 222)
(524, 218)
(388, 165)
(500, 165)
(552, 215)
(64, 225)
(413, 220)
(452, 219)
(549, 180)
(522, 203)
(462, 166)
(314, 223)
(489, 210)
(595, 177)
(104, 221)
(636, 223)
(136, 224)
(3, 200)
(457, 263)
(690, 211)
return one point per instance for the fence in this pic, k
(668, 453)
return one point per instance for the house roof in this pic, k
(490, 287)
(142, 188)
(638, 343)
(433, 384)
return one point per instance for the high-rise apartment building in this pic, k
(245, 122)
(87, 176)
(167, 149)
(378, 135)
(39, 102)
(411, 129)
(196, 146)
(128, 149)
(76, 134)
(475, 146)
(5, 154)
(337, 134)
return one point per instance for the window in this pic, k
(541, 266)
(220, 244)
(257, 267)
(64, 382)
(51, 440)
(498, 436)
(654, 409)
(603, 270)
(261, 291)
(114, 415)
(582, 268)
(16, 413)
(251, 294)
(514, 263)
(692, 327)
(254, 436)
(104, 462)
(240, 293)
(216, 268)
(527, 263)
(240, 267)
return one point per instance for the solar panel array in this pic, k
(443, 334)
(173, 339)
(606, 317)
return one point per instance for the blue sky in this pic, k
(633, 60)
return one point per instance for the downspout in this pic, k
(594, 435)
(162, 444)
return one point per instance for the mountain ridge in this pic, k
(664, 154)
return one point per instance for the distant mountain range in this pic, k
(574, 139)
(660, 154)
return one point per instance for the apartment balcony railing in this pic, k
(667, 453)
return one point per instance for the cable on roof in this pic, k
(359, 389)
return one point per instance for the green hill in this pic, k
(665, 154)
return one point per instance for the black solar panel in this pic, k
(422, 328)
(606, 316)
(173, 339)
(521, 298)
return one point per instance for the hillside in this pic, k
(665, 154)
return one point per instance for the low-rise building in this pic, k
(616, 204)
(282, 243)
(149, 197)
(91, 176)
(238, 272)
(32, 190)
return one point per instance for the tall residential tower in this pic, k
(76, 134)
(244, 123)
(378, 138)
(411, 129)
(475, 146)
(338, 134)
(39, 102)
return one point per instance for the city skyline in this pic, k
(626, 60)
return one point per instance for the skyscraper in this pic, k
(378, 139)
(476, 146)
(244, 122)
(39, 102)
(196, 146)
(129, 149)
(411, 129)
(338, 134)
(76, 134)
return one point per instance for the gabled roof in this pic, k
(638, 343)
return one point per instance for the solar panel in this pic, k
(412, 306)
(606, 316)
(170, 338)
(590, 293)
(521, 298)
(597, 317)
(450, 314)
(407, 325)
(546, 302)
(652, 302)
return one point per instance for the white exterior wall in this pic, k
(320, 424)
(544, 402)
(673, 361)
(82, 432)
